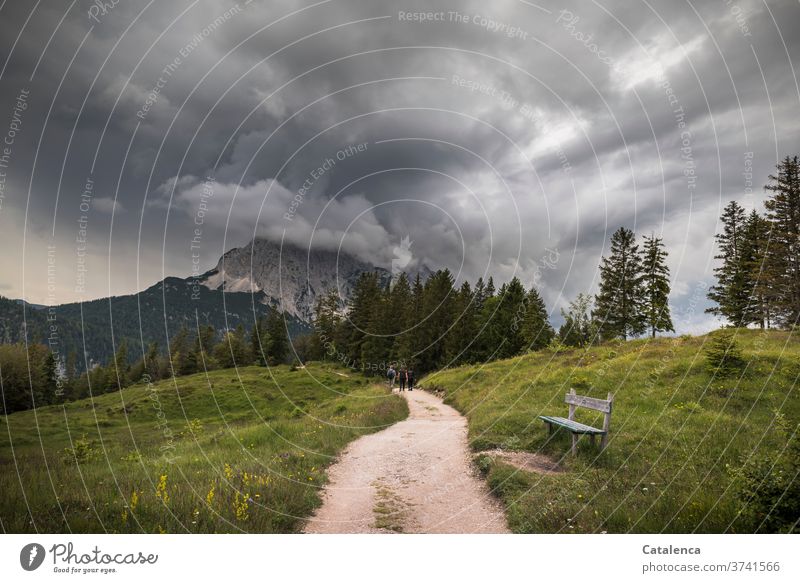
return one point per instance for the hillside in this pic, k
(679, 434)
(230, 452)
(147, 316)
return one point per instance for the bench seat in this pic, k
(573, 426)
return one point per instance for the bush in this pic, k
(723, 355)
(769, 485)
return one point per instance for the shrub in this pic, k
(723, 355)
(769, 485)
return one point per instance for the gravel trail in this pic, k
(413, 477)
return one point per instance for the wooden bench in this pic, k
(575, 401)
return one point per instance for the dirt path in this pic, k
(413, 477)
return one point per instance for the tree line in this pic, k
(436, 324)
(433, 324)
(32, 377)
(758, 278)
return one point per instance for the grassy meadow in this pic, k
(679, 432)
(230, 451)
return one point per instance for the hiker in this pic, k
(403, 377)
(410, 379)
(390, 374)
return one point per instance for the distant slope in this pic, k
(677, 433)
(150, 315)
(234, 451)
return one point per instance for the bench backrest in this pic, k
(602, 405)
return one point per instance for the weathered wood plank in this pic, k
(588, 402)
(571, 425)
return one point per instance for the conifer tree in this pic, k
(489, 289)
(536, 329)
(121, 365)
(507, 321)
(327, 320)
(437, 318)
(278, 351)
(461, 337)
(656, 286)
(401, 325)
(259, 341)
(619, 304)
(755, 260)
(783, 212)
(734, 288)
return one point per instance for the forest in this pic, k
(437, 324)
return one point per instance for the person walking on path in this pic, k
(391, 374)
(403, 377)
(410, 379)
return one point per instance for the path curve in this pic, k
(414, 477)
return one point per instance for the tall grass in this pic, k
(229, 451)
(679, 433)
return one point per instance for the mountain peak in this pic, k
(292, 278)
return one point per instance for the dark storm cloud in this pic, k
(491, 138)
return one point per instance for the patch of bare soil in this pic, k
(523, 460)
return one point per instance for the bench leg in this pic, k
(574, 444)
(603, 441)
(549, 429)
(593, 441)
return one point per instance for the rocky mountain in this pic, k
(247, 283)
(290, 278)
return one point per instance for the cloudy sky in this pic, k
(503, 138)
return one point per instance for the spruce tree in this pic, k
(734, 288)
(327, 319)
(461, 337)
(619, 304)
(401, 325)
(259, 340)
(437, 319)
(508, 320)
(755, 262)
(278, 352)
(536, 329)
(783, 211)
(656, 286)
(489, 289)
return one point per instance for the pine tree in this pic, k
(327, 320)
(783, 212)
(755, 264)
(461, 337)
(656, 286)
(619, 304)
(536, 329)
(179, 345)
(489, 289)
(402, 321)
(278, 352)
(734, 288)
(377, 343)
(121, 366)
(508, 320)
(259, 340)
(437, 319)
(365, 294)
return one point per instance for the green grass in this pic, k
(678, 433)
(232, 452)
